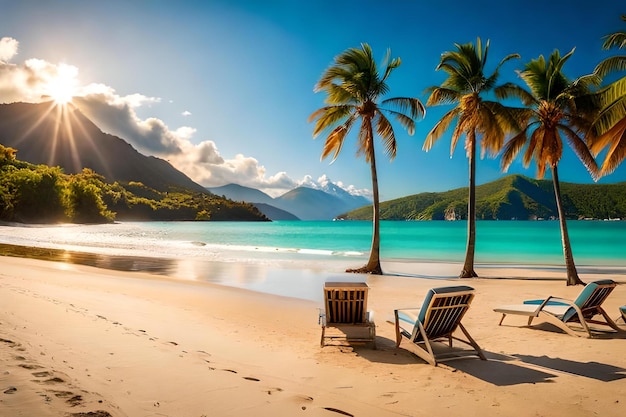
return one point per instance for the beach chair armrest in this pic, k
(547, 302)
(553, 300)
(561, 301)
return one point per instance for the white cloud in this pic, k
(8, 49)
(116, 114)
(186, 113)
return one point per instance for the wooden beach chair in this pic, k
(345, 313)
(563, 313)
(437, 320)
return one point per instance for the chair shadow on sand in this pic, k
(500, 370)
(516, 369)
(600, 371)
(497, 370)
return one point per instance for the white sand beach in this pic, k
(84, 341)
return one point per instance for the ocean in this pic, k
(237, 253)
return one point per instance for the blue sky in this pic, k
(223, 88)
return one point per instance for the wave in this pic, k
(131, 241)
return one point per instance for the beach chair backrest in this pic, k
(590, 298)
(346, 303)
(443, 309)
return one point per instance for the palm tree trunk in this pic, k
(468, 266)
(373, 264)
(572, 273)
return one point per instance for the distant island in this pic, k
(514, 197)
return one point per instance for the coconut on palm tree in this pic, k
(355, 85)
(549, 117)
(479, 120)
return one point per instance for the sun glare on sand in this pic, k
(62, 87)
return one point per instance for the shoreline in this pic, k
(275, 274)
(78, 339)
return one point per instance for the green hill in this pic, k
(511, 197)
(32, 193)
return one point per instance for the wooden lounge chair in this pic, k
(438, 318)
(346, 316)
(563, 313)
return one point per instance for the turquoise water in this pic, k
(596, 243)
(243, 254)
(509, 242)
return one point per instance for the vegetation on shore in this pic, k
(512, 197)
(41, 194)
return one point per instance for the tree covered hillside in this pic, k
(32, 193)
(511, 197)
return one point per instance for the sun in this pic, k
(63, 85)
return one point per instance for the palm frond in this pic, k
(611, 103)
(365, 141)
(387, 135)
(535, 151)
(611, 64)
(414, 106)
(511, 90)
(407, 122)
(615, 155)
(511, 149)
(439, 129)
(327, 117)
(443, 96)
(334, 142)
(581, 150)
(615, 40)
(492, 79)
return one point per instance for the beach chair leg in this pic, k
(502, 319)
(426, 352)
(473, 343)
(398, 335)
(609, 321)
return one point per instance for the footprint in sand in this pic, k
(29, 366)
(335, 410)
(273, 390)
(55, 380)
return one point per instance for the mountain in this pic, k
(310, 204)
(274, 213)
(510, 197)
(302, 202)
(263, 202)
(238, 192)
(64, 137)
(348, 199)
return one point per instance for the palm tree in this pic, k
(550, 115)
(477, 119)
(354, 86)
(610, 125)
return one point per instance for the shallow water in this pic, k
(267, 256)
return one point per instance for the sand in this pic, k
(84, 341)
